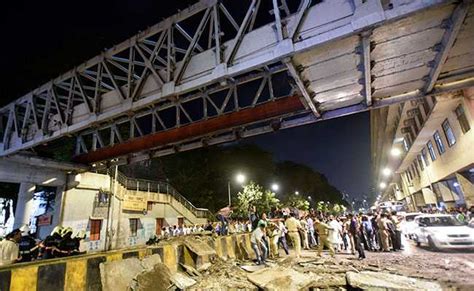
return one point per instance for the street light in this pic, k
(383, 185)
(297, 193)
(240, 178)
(386, 172)
(275, 187)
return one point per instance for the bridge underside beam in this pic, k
(264, 111)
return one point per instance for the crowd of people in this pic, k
(20, 246)
(351, 233)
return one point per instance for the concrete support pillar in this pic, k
(24, 206)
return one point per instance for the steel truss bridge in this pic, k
(223, 70)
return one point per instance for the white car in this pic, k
(408, 224)
(443, 231)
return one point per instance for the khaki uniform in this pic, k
(383, 230)
(323, 230)
(304, 233)
(292, 224)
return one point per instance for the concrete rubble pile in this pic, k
(226, 273)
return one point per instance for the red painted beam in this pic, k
(196, 129)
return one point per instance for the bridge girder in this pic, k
(359, 53)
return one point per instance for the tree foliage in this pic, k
(298, 202)
(202, 175)
(253, 194)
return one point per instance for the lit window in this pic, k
(95, 226)
(448, 131)
(133, 226)
(462, 119)
(431, 150)
(439, 143)
(424, 156)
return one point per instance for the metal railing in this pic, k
(159, 187)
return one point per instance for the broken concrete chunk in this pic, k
(182, 281)
(200, 248)
(157, 279)
(190, 270)
(281, 278)
(149, 262)
(384, 281)
(117, 275)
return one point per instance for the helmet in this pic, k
(24, 228)
(58, 229)
(66, 230)
(80, 234)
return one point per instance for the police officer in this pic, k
(323, 230)
(27, 245)
(293, 225)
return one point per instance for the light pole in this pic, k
(240, 178)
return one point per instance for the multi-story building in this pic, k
(114, 211)
(423, 151)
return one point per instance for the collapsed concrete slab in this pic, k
(368, 280)
(199, 247)
(157, 279)
(148, 263)
(117, 275)
(182, 281)
(281, 278)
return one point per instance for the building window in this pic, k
(96, 225)
(426, 106)
(448, 131)
(431, 150)
(415, 167)
(406, 144)
(133, 226)
(420, 162)
(439, 143)
(462, 119)
(424, 156)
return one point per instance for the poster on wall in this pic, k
(134, 202)
(44, 219)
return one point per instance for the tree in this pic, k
(297, 202)
(267, 202)
(254, 195)
(250, 195)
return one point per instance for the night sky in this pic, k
(42, 39)
(338, 148)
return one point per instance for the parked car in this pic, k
(408, 223)
(443, 231)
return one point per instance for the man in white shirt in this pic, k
(312, 240)
(9, 249)
(257, 242)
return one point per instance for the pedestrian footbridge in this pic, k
(223, 70)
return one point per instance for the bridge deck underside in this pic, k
(333, 61)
